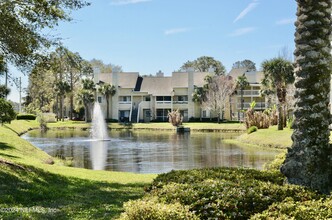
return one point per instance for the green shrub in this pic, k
(276, 163)
(7, 113)
(252, 129)
(151, 209)
(230, 174)
(290, 122)
(112, 120)
(226, 193)
(290, 209)
(26, 117)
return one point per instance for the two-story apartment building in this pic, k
(145, 98)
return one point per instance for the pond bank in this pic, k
(267, 138)
(55, 191)
(161, 126)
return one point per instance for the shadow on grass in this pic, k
(50, 196)
(11, 129)
(5, 146)
(7, 155)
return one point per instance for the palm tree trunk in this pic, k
(308, 162)
(57, 108)
(71, 106)
(86, 115)
(280, 117)
(61, 107)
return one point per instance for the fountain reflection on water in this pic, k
(99, 135)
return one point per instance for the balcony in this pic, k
(246, 105)
(249, 93)
(163, 102)
(180, 102)
(124, 102)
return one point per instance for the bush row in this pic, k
(224, 193)
(26, 117)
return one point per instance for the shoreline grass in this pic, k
(267, 138)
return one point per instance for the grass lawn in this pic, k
(32, 189)
(270, 137)
(194, 126)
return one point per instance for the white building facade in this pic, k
(150, 98)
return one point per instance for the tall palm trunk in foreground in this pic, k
(308, 162)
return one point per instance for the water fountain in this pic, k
(99, 135)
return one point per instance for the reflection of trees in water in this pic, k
(155, 151)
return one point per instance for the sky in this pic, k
(146, 36)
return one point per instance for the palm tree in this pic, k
(241, 83)
(309, 160)
(86, 96)
(278, 73)
(61, 88)
(107, 90)
(198, 97)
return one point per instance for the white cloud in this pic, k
(242, 31)
(249, 8)
(176, 31)
(285, 21)
(127, 2)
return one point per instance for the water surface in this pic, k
(148, 151)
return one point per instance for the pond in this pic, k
(148, 151)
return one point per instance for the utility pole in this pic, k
(20, 91)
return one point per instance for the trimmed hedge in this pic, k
(151, 209)
(225, 193)
(26, 117)
(290, 209)
(252, 129)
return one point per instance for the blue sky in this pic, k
(146, 36)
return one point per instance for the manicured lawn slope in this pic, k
(271, 138)
(32, 189)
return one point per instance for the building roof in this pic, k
(179, 80)
(235, 72)
(127, 80)
(104, 77)
(157, 85)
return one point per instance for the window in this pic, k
(167, 98)
(147, 113)
(124, 99)
(163, 98)
(162, 114)
(204, 114)
(147, 98)
(183, 99)
(184, 114)
(124, 116)
(100, 99)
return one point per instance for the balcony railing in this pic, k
(180, 102)
(163, 102)
(124, 102)
(246, 105)
(249, 93)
